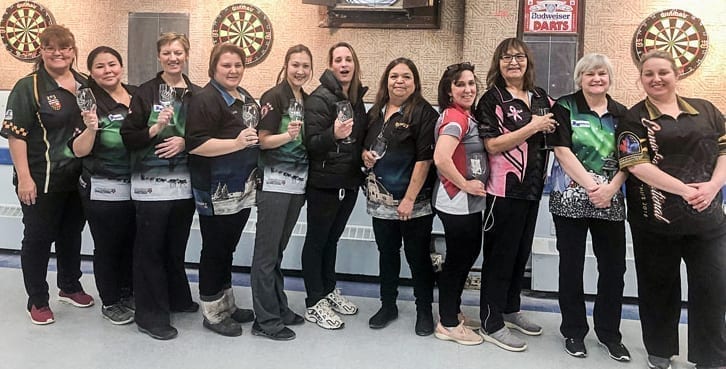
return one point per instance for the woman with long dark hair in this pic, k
(334, 148)
(398, 189)
(284, 167)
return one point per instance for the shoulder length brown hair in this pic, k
(494, 76)
(383, 96)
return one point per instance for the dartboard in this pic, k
(21, 26)
(245, 26)
(677, 32)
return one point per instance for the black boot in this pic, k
(424, 321)
(385, 315)
(217, 316)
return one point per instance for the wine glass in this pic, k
(167, 95)
(345, 112)
(543, 112)
(378, 149)
(251, 116)
(85, 99)
(476, 165)
(296, 112)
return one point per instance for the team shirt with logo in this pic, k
(687, 148)
(44, 115)
(107, 169)
(409, 141)
(223, 184)
(447, 197)
(285, 168)
(592, 140)
(519, 172)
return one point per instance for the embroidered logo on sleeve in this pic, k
(628, 144)
(9, 114)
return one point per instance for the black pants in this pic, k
(416, 236)
(507, 245)
(327, 216)
(463, 234)
(160, 280)
(277, 215)
(113, 227)
(608, 244)
(220, 235)
(55, 217)
(657, 262)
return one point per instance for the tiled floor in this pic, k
(80, 338)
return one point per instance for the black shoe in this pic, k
(575, 347)
(286, 334)
(243, 315)
(227, 327)
(616, 350)
(295, 319)
(193, 308)
(385, 315)
(160, 333)
(424, 322)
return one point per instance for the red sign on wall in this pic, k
(550, 16)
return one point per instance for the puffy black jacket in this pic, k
(332, 164)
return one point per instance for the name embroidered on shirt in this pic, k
(580, 124)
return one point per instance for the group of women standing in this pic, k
(149, 162)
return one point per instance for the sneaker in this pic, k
(385, 315)
(519, 322)
(322, 315)
(41, 316)
(575, 347)
(470, 323)
(616, 350)
(504, 339)
(286, 334)
(78, 299)
(117, 314)
(340, 303)
(657, 362)
(243, 315)
(424, 322)
(459, 334)
(294, 319)
(160, 333)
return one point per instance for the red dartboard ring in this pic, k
(20, 29)
(676, 31)
(247, 27)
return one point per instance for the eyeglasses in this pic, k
(62, 50)
(460, 66)
(508, 58)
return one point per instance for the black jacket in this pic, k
(332, 164)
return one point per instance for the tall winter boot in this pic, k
(217, 317)
(237, 314)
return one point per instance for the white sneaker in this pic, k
(340, 303)
(323, 316)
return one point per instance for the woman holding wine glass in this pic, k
(398, 186)
(512, 134)
(105, 186)
(222, 143)
(283, 167)
(154, 135)
(459, 196)
(42, 114)
(334, 140)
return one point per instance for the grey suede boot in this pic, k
(217, 316)
(237, 314)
